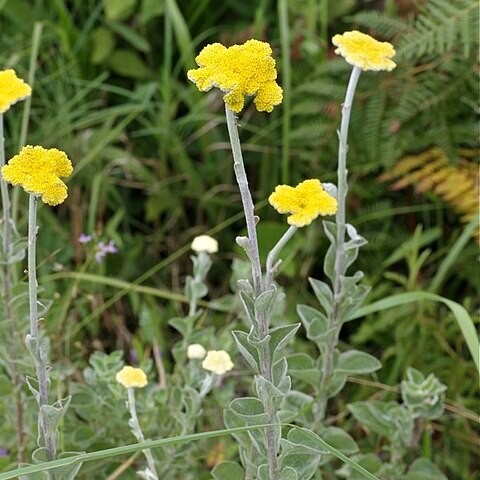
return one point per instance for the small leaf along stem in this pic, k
(137, 431)
(340, 270)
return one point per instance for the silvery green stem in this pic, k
(254, 256)
(7, 232)
(201, 266)
(272, 263)
(207, 384)
(342, 184)
(247, 201)
(342, 189)
(137, 430)
(6, 276)
(39, 359)
(32, 266)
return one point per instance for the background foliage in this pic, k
(153, 169)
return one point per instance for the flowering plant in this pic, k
(275, 400)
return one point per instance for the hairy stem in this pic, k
(254, 256)
(272, 263)
(137, 431)
(7, 224)
(340, 270)
(32, 265)
(39, 349)
(248, 208)
(7, 310)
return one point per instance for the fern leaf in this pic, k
(457, 186)
(442, 27)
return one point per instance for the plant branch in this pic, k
(340, 270)
(247, 201)
(137, 431)
(272, 264)
(38, 349)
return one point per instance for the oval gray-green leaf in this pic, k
(341, 440)
(228, 471)
(354, 361)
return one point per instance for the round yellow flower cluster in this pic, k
(305, 202)
(239, 70)
(38, 171)
(131, 377)
(365, 52)
(12, 89)
(217, 361)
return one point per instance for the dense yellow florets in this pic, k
(12, 89)
(38, 171)
(305, 202)
(365, 52)
(239, 70)
(131, 377)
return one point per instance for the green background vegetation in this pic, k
(153, 169)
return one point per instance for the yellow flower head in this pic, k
(305, 202)
(131, 377)
(239, 70)
(12, 89)
(38, 171)
(365, 52)
(217, 361)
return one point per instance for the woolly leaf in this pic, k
(356, 362)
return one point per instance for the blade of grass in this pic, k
(461, 315)
(182, 34)
(354, 465)
(36, 39)
(121, 284)
(123, 450)
(27, 106)
(286, 85)
(113, 134)
(452, 255)
(128, 449)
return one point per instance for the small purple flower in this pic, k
(110, 247)
(133, 356)
(99, 256)
(4, 452)
(104, 249)
(84, 238)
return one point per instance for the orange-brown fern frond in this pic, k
(430, 171)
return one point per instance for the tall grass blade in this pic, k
(461, 315)
(452, 255)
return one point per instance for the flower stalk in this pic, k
(137, 431)
(340, 269)
(7, 232)
(247, 202)
(37, 348)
